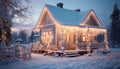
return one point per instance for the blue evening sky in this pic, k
(102, 8)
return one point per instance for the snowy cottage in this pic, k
(71, 29)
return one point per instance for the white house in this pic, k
(71, 29)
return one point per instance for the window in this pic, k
(83, 39)
(47, 37)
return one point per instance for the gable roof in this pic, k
(67, 17)
(93, 17)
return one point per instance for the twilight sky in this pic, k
(102, 8)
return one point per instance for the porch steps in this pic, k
(82, 52)
(71, 54)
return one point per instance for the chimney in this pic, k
(60, 5)
(78, 10)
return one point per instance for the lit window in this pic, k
(83, 39)
(47, 37)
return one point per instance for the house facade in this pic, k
(71, 29)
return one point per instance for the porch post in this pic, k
(76, 41)
(87, 42)
(106, 42)
(62, 41)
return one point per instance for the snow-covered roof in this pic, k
(36, 35)
(19, 39)
(67, 17)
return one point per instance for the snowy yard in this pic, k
(38, 61)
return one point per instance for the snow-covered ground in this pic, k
(38, 61)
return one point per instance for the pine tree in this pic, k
(115, 20)
(32, 37)
(14, 37)
(23, 35)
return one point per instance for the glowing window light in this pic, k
(47, 37)
(83, 37)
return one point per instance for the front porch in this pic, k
(66, 53)
(81, 49)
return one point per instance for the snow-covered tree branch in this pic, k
(9, 10)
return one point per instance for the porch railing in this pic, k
(93, 45)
